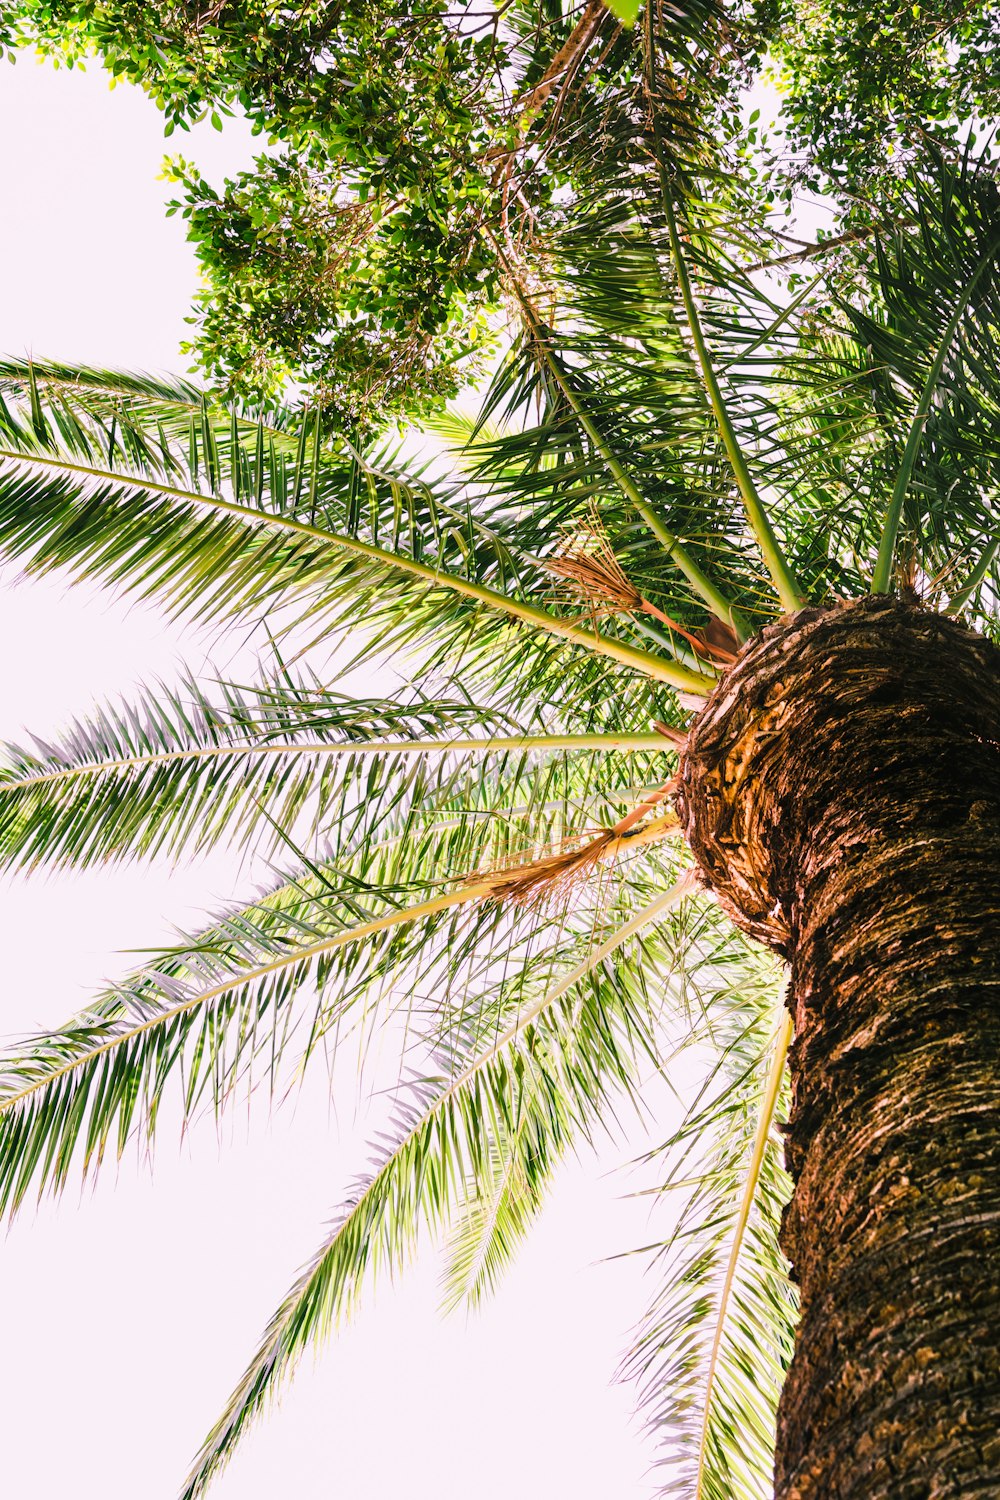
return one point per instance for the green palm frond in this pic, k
(177, 769)
(527, 1090)
(809, 399)
(225, 523)
(879, 446)
(502, 1199)
(400, 883)
(497, 1212)
(199, 1018)
(582, 90)
(711, 1355)
(631, 423)
(724, 1418)
(932, 338)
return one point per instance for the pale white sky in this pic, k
(127, 1316)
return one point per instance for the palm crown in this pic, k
(671, 454)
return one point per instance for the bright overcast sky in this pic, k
(127, 1316)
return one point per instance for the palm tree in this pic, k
(704, 574)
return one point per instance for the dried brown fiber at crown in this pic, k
(796, 717)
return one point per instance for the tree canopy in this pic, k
(406, 152)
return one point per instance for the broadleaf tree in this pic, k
(690, 730)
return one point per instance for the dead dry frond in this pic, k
(552, 875)
(587, 564)
(571, 863)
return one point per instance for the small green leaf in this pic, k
(627, 11)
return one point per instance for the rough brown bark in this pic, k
(841, 792)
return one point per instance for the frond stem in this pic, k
(338, 940)
(471, 892)
(717, 602)
(617, 743)
(784, 580)
(683, 887)
(768, 1106)
(975, 578)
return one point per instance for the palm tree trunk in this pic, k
(841, 792)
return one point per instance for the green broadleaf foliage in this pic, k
(627, 11)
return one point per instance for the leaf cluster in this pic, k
(867, 91)
(357, 260)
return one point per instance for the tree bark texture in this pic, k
(841, 793)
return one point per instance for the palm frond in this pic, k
(625, 425)
(711, 1355)
(205, 1010)
(932, 335)
(221, 523)
(710, 1437)
(532, 1087)
(199, 1017)
(498, 1210)
(177, 769)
